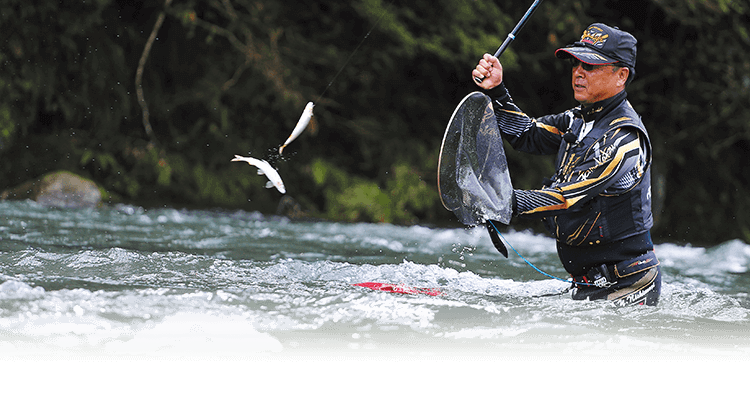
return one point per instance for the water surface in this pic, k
(131, 283)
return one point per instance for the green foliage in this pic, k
(352, 198)
(232, 77)
(7, 127)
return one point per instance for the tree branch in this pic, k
(139, 72)
(266, 58)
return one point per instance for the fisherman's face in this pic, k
(594, 83)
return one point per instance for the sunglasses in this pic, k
(589, 67)
(585, 66)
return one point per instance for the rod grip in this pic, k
(499, 51)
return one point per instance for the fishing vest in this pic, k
(607, 217)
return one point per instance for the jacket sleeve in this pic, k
(540, 136)
(613, 165)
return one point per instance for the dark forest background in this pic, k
(226, 77)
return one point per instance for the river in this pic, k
(125, 288)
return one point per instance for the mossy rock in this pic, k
(58, 189)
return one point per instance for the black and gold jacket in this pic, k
(601, 192)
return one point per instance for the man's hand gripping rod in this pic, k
(512, 35)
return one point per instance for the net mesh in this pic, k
(473, 177)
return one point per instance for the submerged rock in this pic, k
(58, 189)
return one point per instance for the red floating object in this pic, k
(393, 288)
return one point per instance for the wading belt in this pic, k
(607, 275)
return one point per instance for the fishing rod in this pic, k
(498, 240)
(512, 35)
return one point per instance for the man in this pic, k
(598, 203)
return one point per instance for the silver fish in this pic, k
(307, 114)
(264, 168)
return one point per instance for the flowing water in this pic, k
(123, 282)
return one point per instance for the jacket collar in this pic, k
(597, 110)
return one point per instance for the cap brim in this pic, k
(584, 54)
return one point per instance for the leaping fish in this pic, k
(264, 168)
(307, 114)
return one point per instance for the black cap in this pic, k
(601, 44)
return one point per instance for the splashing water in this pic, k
(128, 282)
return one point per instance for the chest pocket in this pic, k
(601, 220)
(586, 226)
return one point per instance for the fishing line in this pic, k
(355, 51)
(532, 265)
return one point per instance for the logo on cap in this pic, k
(594, 36)
(601, 44)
